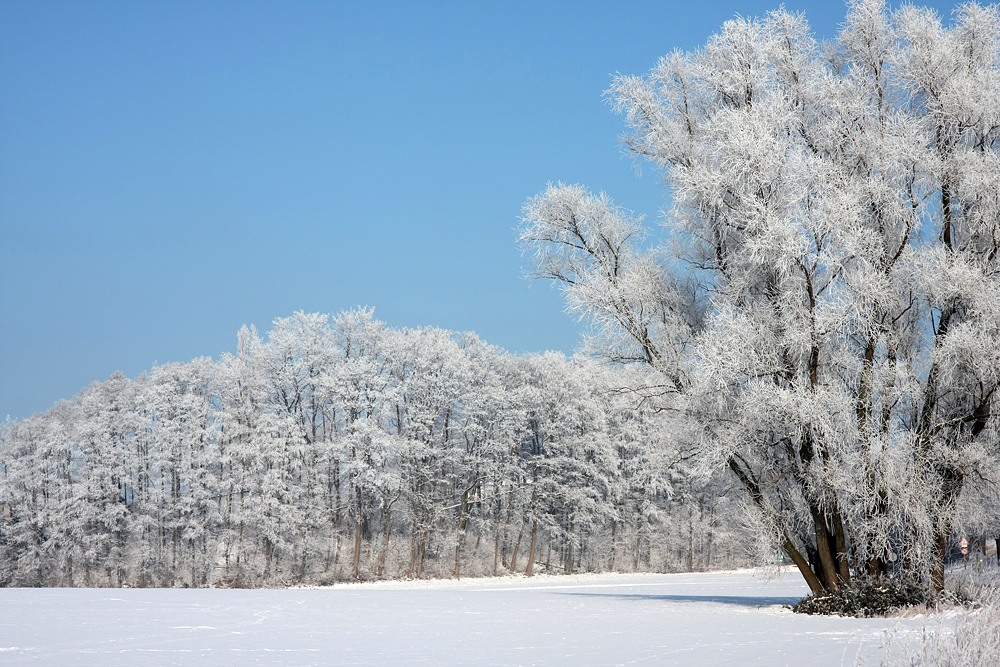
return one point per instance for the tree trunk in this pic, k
(531, 549)
(479, 538)
(827, 563)
(548, 550)
(517, 544)
(569, 549)
(414, 537)
(462, 525)
(614, 544)
(877, 568)
(267, 557)
(800, 562)
(758, 498)
(952, 482)
(502, 537)
(356, 559)
(691, 539)
(496, 552)
(420, 554)
(840, 541)
(937, 564)
(305, 549)
(380, 568)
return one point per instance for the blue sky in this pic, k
(171, 171)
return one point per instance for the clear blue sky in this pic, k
(170, 171)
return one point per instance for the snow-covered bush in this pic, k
(961, 638)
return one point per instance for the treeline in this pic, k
(339, 448)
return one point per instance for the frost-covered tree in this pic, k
(339, 448)
(825, 305)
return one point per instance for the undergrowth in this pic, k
(970, 638)
(865, 598)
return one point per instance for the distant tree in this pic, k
(335, 448)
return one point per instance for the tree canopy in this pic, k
(824, 303)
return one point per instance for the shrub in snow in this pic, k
(970, 640)
(865, 598)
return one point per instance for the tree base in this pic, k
(866, 598)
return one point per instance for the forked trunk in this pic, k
(824, 546)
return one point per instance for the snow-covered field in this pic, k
(726, 618)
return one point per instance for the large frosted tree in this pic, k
(824, 306)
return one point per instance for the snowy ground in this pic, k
(728, 618)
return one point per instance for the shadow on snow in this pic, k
(739, 600)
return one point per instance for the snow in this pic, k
(692, 619)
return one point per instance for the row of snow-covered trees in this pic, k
(342, 448)
(825, 308)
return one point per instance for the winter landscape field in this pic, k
(722, 618)
(783, 345)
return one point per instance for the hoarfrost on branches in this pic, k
(825, 302)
